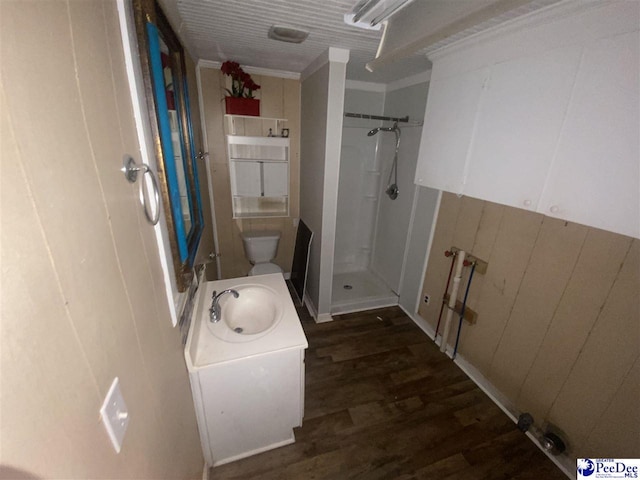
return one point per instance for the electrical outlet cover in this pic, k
(114, 415)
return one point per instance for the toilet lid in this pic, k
(265, 268)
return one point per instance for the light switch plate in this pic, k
(115, 415)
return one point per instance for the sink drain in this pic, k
(347, 287)
(238, 329)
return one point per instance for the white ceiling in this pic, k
(220, 30)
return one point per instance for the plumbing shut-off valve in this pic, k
(552, 443)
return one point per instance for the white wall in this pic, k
(359, 183)
(420, 230)
(83, 296)
(394, 216)
(323, 85)
(407, 101)
(313, 131)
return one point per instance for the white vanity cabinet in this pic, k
(251, 405)
(542, 114)
(248, 389)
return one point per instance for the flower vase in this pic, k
(242, 106)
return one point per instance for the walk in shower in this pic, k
(355, 285)
(374, 183)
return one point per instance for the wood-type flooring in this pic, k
(382, 402)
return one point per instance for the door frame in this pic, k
(207, 162)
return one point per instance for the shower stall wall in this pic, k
(355, 286)
(372, 227)
(357, 201)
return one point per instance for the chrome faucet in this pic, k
(214, 311)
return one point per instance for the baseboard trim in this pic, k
(324, 318)
(563, 462)
(363, 306)
(311, 308)
(420, 322)
(272, 446)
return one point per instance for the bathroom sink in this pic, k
(255, 312)
(248, 385)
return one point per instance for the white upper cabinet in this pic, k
(448, 128)
(518, 125)
(594, 178)
(259, 174)
(258, 166)
(542, 114)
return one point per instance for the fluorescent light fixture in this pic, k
(362, 8)
(369, 14)
(287, 34)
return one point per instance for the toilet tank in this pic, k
(261, 246)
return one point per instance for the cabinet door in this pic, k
(276, 179)
(519, 122)
(594, 179)
(246, 179)
(448, 127)
(251, 405)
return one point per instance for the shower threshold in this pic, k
(358, 291)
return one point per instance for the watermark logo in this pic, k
(586, 467)
(590, 469)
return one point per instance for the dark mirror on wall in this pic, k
(163, 69)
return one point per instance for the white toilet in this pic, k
(260, 248)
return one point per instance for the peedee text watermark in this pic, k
(592, 468)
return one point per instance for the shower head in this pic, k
(373, 131)
(392, 189)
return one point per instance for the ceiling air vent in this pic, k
(287, 34)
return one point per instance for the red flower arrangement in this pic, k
(242, 85)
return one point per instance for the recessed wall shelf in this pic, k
(254, 126)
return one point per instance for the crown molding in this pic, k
(267, 72)
(339, 55)
(391, 86)
(332, 54)
(545, 15)
(416, 79)
(366, 86)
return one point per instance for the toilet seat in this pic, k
(264, 268)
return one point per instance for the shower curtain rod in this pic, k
(379, 117)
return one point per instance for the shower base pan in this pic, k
(358, 291)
